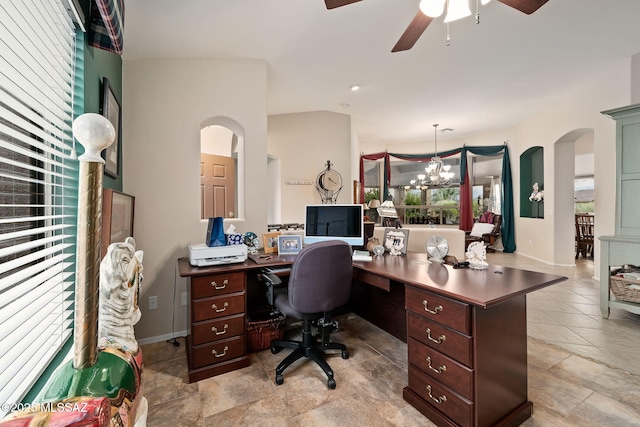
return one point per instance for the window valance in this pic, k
(466, 209)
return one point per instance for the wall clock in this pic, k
(329, 184)
(437, 248)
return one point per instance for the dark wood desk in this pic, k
(466, 330)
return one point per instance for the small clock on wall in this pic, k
(329, 184)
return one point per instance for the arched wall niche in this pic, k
(232, 146)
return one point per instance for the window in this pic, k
(38, 190)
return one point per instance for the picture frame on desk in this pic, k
(289, 244)
(110, 108)
(270, 242)
(117, 217)
(396, 240)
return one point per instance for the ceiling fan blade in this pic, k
(413, 32)
(332, 4)
(525, 6)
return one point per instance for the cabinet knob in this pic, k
(215, 330)
(438, 340)
(220, 310)
(224, 352)
(439, 370)
(438, 400)
(225, 282)
(434, 311)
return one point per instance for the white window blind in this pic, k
(38, 189)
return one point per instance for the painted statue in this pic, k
(537, 195)
(109, 393)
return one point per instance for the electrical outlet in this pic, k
(184, 298)
(153, 303)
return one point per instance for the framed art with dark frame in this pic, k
(110, 108)
(117, 217)
(289, 244)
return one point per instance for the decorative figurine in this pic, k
(536, 195)
(476, 255)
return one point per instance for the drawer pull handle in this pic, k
(434, 311)
(439, 370)
(215, 353)
(215, 330)
(220, 310)
(224, 284)
(438, 400)
(438, 340)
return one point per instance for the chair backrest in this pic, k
(584, 226)
(320, 278)
(491, 218)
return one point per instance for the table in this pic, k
(466, 330)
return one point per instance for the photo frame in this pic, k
(110, 108)
(270, 242)
(396, 240)
(289, 244)
(117, 217)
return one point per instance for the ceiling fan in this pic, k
(421, 21)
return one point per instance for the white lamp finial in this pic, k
(95, 132)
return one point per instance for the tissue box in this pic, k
(234, 239)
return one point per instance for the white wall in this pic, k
(164, 104)
(303, 142)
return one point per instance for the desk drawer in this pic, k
(219, 351)
(440, 338)
(216, 307)
(451, 313)
(372, 279)
(441, 367)
(215, 330)
(441, 397)
(216, 284)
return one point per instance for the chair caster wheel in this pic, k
(274, 350)
(331, 383)
(280, 379)
(345, 354)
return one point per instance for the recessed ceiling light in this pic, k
(355, 88)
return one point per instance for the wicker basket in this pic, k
(622, 291)
(262, 327)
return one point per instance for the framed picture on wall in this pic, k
(110, 108)
(117, 218)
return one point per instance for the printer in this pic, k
(201, 255)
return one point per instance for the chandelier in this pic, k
(438, 173)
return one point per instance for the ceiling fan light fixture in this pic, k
(432, 8)
(457, 9)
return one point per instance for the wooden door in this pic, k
(217, 186)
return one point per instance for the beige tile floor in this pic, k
(583, 371)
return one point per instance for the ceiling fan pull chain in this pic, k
(448, 39)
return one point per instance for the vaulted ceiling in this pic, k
(492, 75)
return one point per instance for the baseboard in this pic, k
(159, 338)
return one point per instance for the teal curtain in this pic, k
(507, 230)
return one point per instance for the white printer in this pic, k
(201, 255)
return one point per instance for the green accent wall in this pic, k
(531, 171)
(99, 63)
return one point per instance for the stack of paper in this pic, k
(362, 256)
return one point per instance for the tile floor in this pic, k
(583, 371)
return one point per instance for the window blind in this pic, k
(38, 189)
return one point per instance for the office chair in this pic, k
(320, 281)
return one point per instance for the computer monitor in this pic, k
(334, 222)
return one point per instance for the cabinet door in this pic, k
(628, 162)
